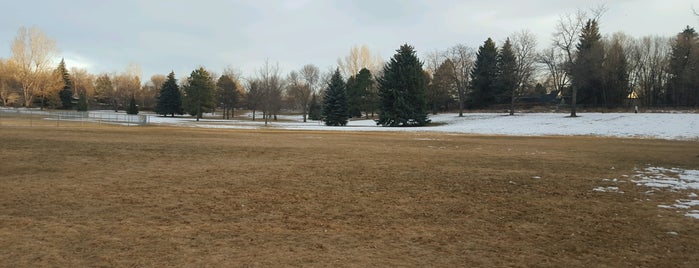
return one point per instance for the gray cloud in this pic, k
(162, 35)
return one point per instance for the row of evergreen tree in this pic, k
(400, 99)
(197, 96)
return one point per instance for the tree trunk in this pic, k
(512, 103)
(461, 102)
(573, 102)
(305, 112)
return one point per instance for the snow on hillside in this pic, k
(675, 126)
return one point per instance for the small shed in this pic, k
(632, 100)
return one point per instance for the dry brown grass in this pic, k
(162, 197)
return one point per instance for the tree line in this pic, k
(581, 67)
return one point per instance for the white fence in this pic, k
(36, 117)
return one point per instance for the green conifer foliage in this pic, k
(170, 99)
(484, 76)
(335, 102)
(402, 91)
(82, 103)
(66, 93)
(199, 93)
(133, 109)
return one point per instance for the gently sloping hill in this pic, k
(160, 196)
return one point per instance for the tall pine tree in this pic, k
(402, 91)
(365, 86)
(683, 87)
(587, 70)
(170, 99)
(484, 75)
(133, 108)
(66, 93)
(359, 93)
(442, 87)
(199, 93)
(354, 97)
(82, 102)
(335, 101)
(506, 83)
(616, 76)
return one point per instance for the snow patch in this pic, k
(668, 178)
(608, 189)
(672, 179)
(675, 126)
(693, 214)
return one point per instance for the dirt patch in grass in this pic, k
(159, 196)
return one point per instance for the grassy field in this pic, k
(80, 196)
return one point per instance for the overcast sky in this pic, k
(160, 35)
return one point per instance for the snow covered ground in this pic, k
(674, 126)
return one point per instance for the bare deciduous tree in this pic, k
(9, 93)
(271, 86)
(652, 68)
(48, 84)
(358, 58)
(147, 96)
(33, 53)
(83, 81)
(300, 91)
(524, 46)
(433, 60)
(126, 85)
(310, 74)
(463, 60)
(555, 62)
(568, 30)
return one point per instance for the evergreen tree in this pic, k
(335, 101)
(364, 84)
(314, 110)
(66, 93)
(402, 91)
(484, 75)
(354, 98)
(199, 93)
(587, 76)
(683, 86)
(133, 109)
(82, 103)
(170, 99)
(616, 76)
(442, 86)
(358, 93)
(506, 83)
(227, 95)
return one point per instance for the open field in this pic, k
(161, 196)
